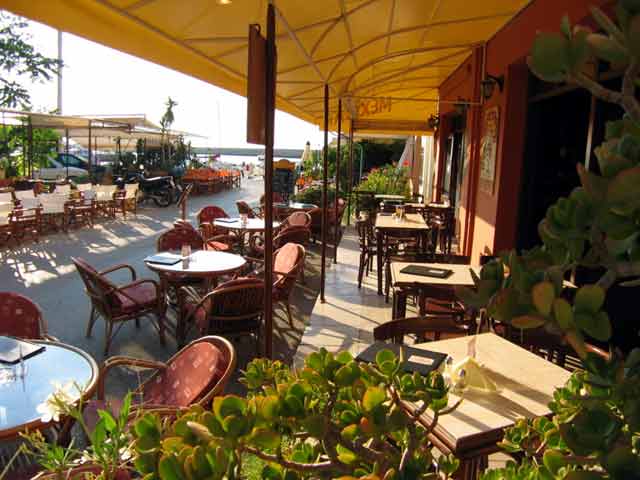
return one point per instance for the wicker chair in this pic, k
(288, 263)
(210, 213)
(181, 234)
(193, 376)
(216, 238)
(297, 219)
(120, 303)
(233, 308)
(244, 208)
(21, 317)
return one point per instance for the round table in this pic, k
(58, 364)
(205, 264)
(253, 225)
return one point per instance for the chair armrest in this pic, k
(122, 360)
(119, 267)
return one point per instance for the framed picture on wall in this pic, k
(489, 149)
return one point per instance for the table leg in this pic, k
(399, 309)
(470, 468)
(380, 246)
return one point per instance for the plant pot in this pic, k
(79, 473)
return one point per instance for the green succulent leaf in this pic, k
(528, 321)
(373, 397)
(543, 295)
(589, 298)
(550, 57)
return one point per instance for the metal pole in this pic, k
(270, 104)
(30, 142)
(350, 170)
(336, 227)
(323, 266)
(89, 145)
(59, 72)
(66, 149)
(361, 162)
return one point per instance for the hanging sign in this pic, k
(489, 150)
(256, 86)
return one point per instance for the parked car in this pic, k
(65, 165)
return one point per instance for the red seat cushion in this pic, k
(218, 246)
(145, 296)
(193, 372)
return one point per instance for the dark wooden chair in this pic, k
(117, 304)
(422, 328)
(234, 308)
(25, 223)
(368, 247)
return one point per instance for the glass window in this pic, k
(71, 161)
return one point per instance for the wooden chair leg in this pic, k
(363, 260)
(92, 321)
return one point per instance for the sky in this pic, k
(98, 81)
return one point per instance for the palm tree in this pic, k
(165, 123)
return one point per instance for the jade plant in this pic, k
(334, 418)
(595, 429)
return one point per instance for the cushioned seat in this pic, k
(144, 294)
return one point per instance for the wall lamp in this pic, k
(488, 85)
(433, 122)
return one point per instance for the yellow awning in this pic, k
(378, 55)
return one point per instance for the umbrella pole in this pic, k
(323, 266)
(268, 179)
(350, 171)
(336, 227)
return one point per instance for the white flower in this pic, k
(58, 403)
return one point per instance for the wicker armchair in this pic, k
(288, 262)
(244, 208)
(21, 317)
(216, 238)
(297, 219)
(117, 304)
(233, 308)
(193, 376)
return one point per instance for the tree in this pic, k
(18, 60)
(165, 123)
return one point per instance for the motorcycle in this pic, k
(162, 190)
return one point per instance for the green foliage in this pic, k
(595, 429)
(387, 180)
(334, 417)
(19, 59)
(12, 142)
(313, 195)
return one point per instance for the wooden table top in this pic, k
(253, 224)
(525, 381)
(412, 221)
(203, 263)
(461, 275)
(56, 364)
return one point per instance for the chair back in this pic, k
(238, 299)
(30, 202)
(180, 235)
(299, 235)
(209, 214)
(298, 219)
(5, 212)
(287, 264)
(316, 219)
(244, 208)
(6, 197)
(24, 194)
(365, 232)
(420, 327)
(130, 190)
(194, 375)
(101, 290)
(63, 189)
(53, 203)
(83, 187)
(20, 317)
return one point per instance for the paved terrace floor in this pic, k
(43, 272)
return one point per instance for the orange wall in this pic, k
(491, 225)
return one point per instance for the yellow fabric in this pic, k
(371, 52)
